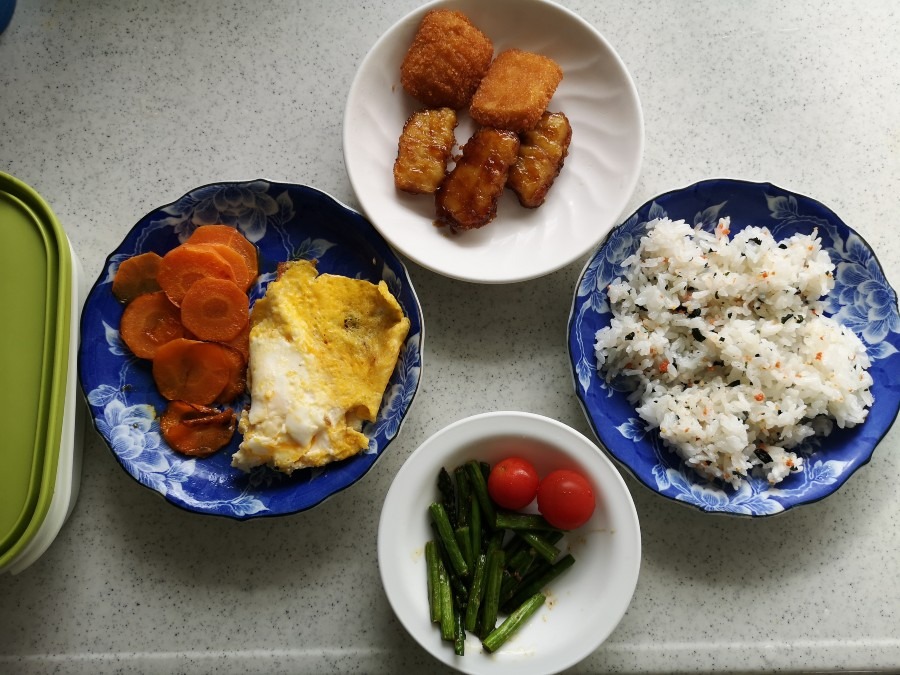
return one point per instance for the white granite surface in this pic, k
(111, 108)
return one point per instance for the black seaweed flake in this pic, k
(698, 336)
(630, 336)
(764, 456)
(799, 319)
(786, 318)
(736, 383)
(755, 240)
(782, 245)
(694, 313)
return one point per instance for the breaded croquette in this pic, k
(542, 152)
(515, 91)
(446, 61)
(468, 196)
(423, 150)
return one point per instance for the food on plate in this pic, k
(566, 499)
(230, 238)
(215, 309)
(149, 321)
(542, 152)
(181, 267)
(468, 196)
(513, 483)
(322, 349)
(196, 430)
(195, 371)
(448, 67)
(424, 149)
(484, 561)
(726, 349)
(195, 330)
(135, 276)
(515, 91)
(446, 60)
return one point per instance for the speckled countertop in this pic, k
(109, 109)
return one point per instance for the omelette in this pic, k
(322, 349)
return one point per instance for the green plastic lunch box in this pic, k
(41, 411)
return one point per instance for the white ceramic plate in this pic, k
(587, 199)
(584, 605)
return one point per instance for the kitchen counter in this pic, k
(109, 109)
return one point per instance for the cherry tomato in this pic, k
(565, 499)
(513, 483)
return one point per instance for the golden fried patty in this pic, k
(446, 61)
(515, 91)
(468, 196)
(423, 151)
(542, 152)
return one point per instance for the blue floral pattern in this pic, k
(286, 222)
(862, 300)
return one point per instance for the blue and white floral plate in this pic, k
(861, 300)
(285, 222)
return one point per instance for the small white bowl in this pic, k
(584, 604)
(598, 96)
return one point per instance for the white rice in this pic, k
(725, 345)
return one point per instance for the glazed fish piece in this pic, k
(467, 198)
(541, 155)
(423, 150)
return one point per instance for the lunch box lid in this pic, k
(36, 276)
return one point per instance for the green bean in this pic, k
(479, 488)
(540, 544)
(536, 584)
(491, 602)
(513, 622)
(439, 516)
(448, 621)
(434, 585)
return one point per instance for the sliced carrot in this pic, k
(239, 269)
(186, 264)
(231, 237)
(191, 371)
(215, 309)
(136, 276)
(241, 344)
(196, 430)
(237, 377)
(149, 322)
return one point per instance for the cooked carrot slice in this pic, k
(239, 269)
(241, 344)
(230, 236)
(237, 378)
(186, 264)
(136, 276)
(148, 322)
(191, 371)
(215, 309)
(196, 430)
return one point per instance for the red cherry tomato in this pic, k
(565, 499)
(513, 483)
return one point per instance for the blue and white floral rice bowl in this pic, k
(861, 300)
(285, 222)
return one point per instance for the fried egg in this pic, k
(322, 349)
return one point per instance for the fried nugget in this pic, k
(542, 152)
(446, 61)
(423, 150)
(515, 91)
(468, 196)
